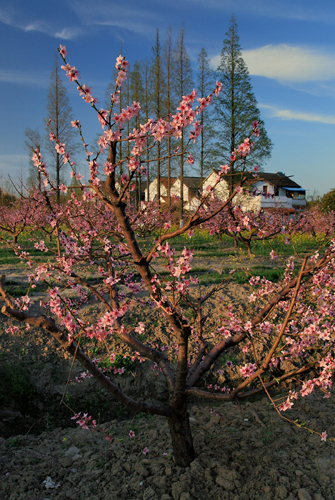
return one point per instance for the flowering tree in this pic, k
(249, 226)
(318, 224)
(284, 320)
(23, 214)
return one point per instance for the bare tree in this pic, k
(169, 100)
(183, 81)
(33, 141)
(205, 85)
(60, 112)
(157, 100)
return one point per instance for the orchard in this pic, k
(285, 329)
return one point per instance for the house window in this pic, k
(265, 189)
(276, 191)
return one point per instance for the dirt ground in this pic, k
(244, 451)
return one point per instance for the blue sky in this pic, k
(289, 48)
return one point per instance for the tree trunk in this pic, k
(182, 441)
(248, 246)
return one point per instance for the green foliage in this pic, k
(16, 385)
(12, 442)
(119, 362)
(236, 106)
(271, 274)
(328, 201)
(6, 198)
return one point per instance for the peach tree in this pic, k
(286, 329)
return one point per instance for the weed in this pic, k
(119, 362)
(12, 442)
(15, 385)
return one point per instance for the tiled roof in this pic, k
(276, 179)
(164, 181)
(192, 182)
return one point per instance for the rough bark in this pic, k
(182, 441)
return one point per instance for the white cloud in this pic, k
(287, 114)
(24, 77)
(36, 26)
(289, 63)
(12, 165)
(12, 159)
(5, 17)
(298, 10)
(136, 19)
(41, 26)
(67, 33)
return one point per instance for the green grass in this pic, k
(204, 246)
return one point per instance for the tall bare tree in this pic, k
(33, 141)
(136, 94)
(60, 112)
(205, 84)
(169, 100)
(146, 108)
(183, 81)
(156, 75)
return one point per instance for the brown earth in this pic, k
(244, 451)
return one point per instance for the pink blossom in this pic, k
(273, 254)
(190, 159)
(324, 436)
(131, 434)
(145, 451)
(218, 87)
(248, 370)
(140, 328)
(63, 51)
(224, 169)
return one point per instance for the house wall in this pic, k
(175, 189)
(192, 205)
(153, 190)
(221, 190)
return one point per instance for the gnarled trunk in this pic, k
(248, 246)
(182, 441)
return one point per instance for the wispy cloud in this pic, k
(287, 63)
(296, 10)
(68, 33)
(287, 114)
(22, 77)
(12, 164)
(55, 30)
(5, 16)
(64, 33)
(136, 18)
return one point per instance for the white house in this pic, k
(275, 191)
(191, 187)
(153, 189)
